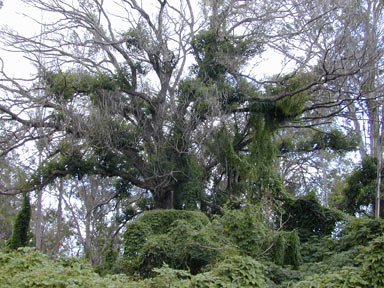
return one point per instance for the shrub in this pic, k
(181, 239)
(358, 231)
(188, 241)
(27, 267)
(348, 277)
(373, 263)
(233, 272)
(306, 215)
(247, 229)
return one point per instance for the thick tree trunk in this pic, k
(164, 199)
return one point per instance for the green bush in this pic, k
(373, 263)
(348, 277)
(188, 253)
(233, 272)
(27, 267)
(181, 239)
(356, 260)
(306, 215)
(358, 231)
(247, 229)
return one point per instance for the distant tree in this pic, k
(20, 234)
(359, 194)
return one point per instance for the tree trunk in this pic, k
(59, 236)
(378, 185)
(356, 123)
(372, 94)
(379, 169)
(164, 199)
(324, 178)
(87, 242)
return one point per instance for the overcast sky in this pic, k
(14, 15)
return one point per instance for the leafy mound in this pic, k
(186, 249)
(189, 241)
(27, 267)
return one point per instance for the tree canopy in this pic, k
(169, 103)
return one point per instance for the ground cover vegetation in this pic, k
(150, 147)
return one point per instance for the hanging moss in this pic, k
(20, 237)
(286, 249)
(247, 229)
(292, 251)
(278, 251)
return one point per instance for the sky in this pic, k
(13, 15)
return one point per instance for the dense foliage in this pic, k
(205, 254)
(360, 192)
(172, 160)
(309, 217)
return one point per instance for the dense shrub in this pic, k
(233, 272)
(181, 239)
(358, 231)
(247, 229)
(348, 277)
(355, 259)
(189, 241)
(373, 262)
(190, 254)
(309, 217)
(27, 267)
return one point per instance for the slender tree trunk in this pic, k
(87, 207)
(39, 213)
(87, 242)
(378, 187)
(356, 123)
(39, 208)
(59, 236)
(324, 180)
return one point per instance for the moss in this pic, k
(292, 254)
(278, 251)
